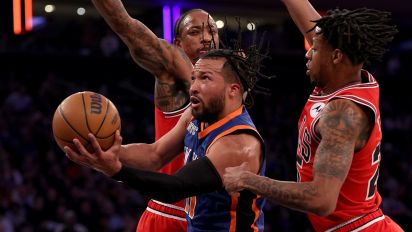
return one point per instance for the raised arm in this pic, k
(302, 13)
(343, 127)
(153, 54)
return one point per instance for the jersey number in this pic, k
(190, 205)
(303, 153)
(376, 157)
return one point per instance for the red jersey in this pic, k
(358, 196)
(164, 122)
(159, 216)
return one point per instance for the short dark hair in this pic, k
(362, 34)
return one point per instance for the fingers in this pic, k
(82, 150)
(245, 166)
(95, 144)
(117, 140)
(74, 156)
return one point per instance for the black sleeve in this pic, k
(195, 178)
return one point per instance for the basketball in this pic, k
(83, 113)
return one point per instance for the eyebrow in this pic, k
(200, 27)
(200, 73)
(205, 72)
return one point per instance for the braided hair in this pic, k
(362, 34)
(243, 65)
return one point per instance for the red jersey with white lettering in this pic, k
(159, 216)
(358, 196)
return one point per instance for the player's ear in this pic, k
(337, 56)
(234, 89)
(177, 41)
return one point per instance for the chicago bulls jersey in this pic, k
(159, 216)
(164, 122)
(358, 195)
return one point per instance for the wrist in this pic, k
(117, 167)
(244, 180)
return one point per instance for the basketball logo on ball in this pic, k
(83, 113)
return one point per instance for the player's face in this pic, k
(198, 30)
(319, 64)
(207, 91)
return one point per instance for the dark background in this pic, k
(40, 190)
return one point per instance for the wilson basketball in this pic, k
(83, 113)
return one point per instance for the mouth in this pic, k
(204, 49)
(307, 69)
(195, 101)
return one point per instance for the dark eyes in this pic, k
(194, 32)
(198, 32)
(203, 77)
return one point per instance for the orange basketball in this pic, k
(82, 113)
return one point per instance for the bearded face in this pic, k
(209, 109)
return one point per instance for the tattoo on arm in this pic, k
(289, 194)
(341, 125)
(145, 47)
(171, 96)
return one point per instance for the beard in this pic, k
(210, 112)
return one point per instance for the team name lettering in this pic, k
(192, 128)
(96, 104)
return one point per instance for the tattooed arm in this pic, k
(302, 13)
(343, 126)
(167, 62)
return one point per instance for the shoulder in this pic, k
(241, 142)
(342, 116)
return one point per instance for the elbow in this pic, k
(324, 207)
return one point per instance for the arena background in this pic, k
(64, 52)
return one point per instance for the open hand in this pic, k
(106, 162)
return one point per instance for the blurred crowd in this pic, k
(41, 190)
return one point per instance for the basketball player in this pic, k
(220, 134)
(195, 33)
(338, 152)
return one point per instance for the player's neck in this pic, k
(226, 112)
(342, 79)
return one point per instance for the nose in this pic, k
(193, 87)
(206, 36)
(308, 54)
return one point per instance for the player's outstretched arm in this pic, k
(155, 156)
(141, 155)
(200, 176)
(342, 126)
(151, 53)
(302, 13)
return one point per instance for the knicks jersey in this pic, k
(358, 195)
(218, 211)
